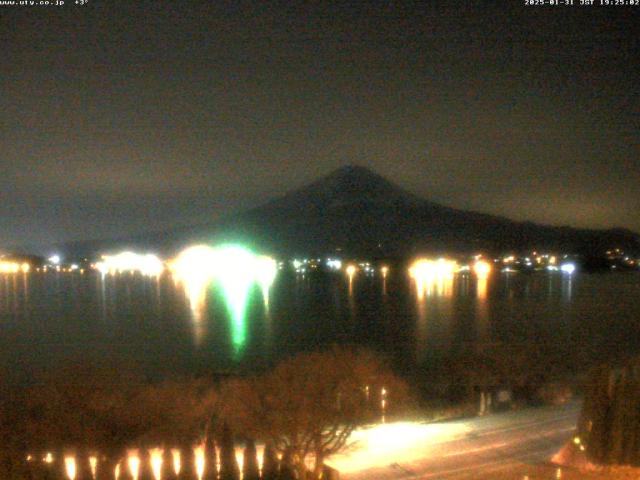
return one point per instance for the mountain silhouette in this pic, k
(357, 212)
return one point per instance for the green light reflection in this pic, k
(232, 268)
(235, 278)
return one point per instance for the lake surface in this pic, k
(46, 318)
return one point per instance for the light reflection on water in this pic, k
(45, 316)
(567, 285)
(231, 269)
(482, 311)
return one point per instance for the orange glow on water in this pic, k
(433, 277)
(482, 287)
(351, 271)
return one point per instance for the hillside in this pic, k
(359, 212)
(355, 211)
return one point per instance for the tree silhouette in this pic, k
(609, 424)
(309, 405)
(211, 458)
(229, 469)
(269, 463)
(250, 470)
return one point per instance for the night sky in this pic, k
(119, 117)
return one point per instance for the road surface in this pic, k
(466, 449)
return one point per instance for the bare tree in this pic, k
(229, 469)
(309, 405)
(83, 408)
(13, 432)
(269, 463)
(250, 470)
(87, 409)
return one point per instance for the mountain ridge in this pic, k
(355, 211)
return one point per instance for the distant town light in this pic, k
(426, 268)
(148, 264)
(334, 264)
(482, 268)
(568, 268)
(14, 267)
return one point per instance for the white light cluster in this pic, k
(334, 264)
(146, 264)
(300, 266)
(202, 263)
(366, 267)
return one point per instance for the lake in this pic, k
(46, 318)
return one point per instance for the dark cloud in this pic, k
(141, 115)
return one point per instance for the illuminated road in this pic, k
(470, 449)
